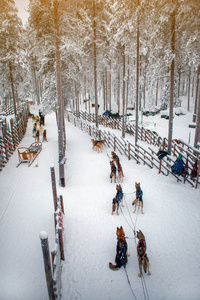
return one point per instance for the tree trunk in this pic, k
(189, 75)
(196, 94)
(197, 130)
(95, 64)
(170, 132)
(110, 87)
(144, 84)
(137, 80)
(127, 84)
(106, 88)
(13, 90)
(118, 90)
(179, 82)
(157, 93)
(35, 82)
(61, 153)
(104, 91)
(124, 87)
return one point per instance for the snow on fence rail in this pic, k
(138, 153)
(11, 133)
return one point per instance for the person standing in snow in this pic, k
(34, 130)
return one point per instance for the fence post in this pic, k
(62, 255)
(129, 157)
(61, 202)
(197, 180)
(47, 264)
(53, 181)
(159, 167)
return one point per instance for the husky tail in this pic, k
(114, 267)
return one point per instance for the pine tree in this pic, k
(11, 50)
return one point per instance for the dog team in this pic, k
(122, 254)
(121, 257)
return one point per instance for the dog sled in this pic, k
(29, 154)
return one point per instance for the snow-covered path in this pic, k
(170, 224)
(26, 208)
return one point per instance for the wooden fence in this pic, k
(140, 154)
(58, 252)
(11, 133)
(146, 135)
(7, 110)
(53, 266)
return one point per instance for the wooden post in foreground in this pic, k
(47, 264)
(53, 181)
(62, 205)
(60, 235)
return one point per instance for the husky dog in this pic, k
(118, 199)
(115, 206)
(120, 172)
(115, 157)
(139, 199)
(121, 251)
(142, 256)
(97, 145)
(119, 196)
(113, 171)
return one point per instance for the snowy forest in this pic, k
(137, 54)
(77, 58)
(106, 32)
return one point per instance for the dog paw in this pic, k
(139, 275)
(149, 273)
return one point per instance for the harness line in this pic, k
(144, 287)
(130, 283)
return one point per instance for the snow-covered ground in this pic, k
(170, 224)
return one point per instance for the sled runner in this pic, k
(29, 154)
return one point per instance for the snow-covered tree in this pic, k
(13, 70)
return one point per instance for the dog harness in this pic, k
(119, 168)
(121, 257)
(119, 196)
(139, 194)
(113, 169)
(141, 248)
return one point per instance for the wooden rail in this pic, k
(138, 153)
(11, 133)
